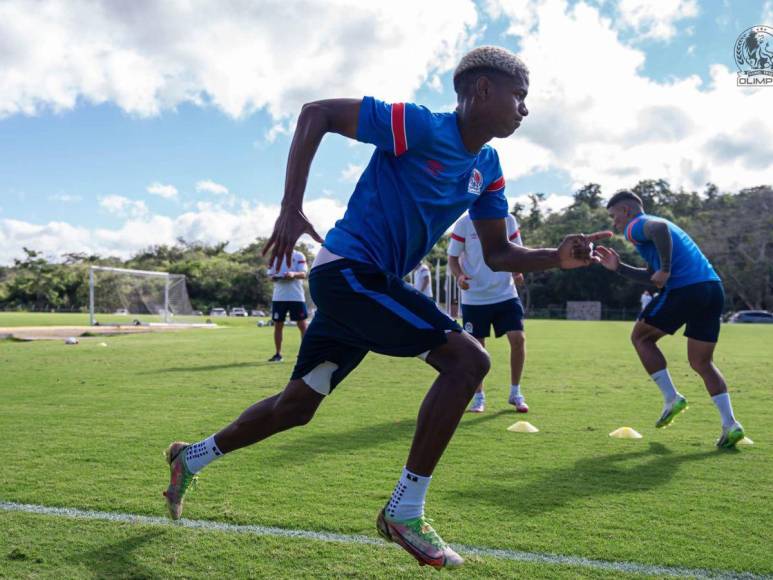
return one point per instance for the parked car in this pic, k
(218, 312)
(198, 313)
(122, 311)
(238, 311)
(752, 316)
(258, 313)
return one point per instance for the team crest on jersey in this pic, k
(468, 327)
(475, 184)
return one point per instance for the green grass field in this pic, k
(85, 426)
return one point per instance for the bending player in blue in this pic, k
(426, 171)
(691, 294)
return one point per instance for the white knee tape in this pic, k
(319, 378)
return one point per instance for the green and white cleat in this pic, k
(420, 540)
(180, 480)
(670, 411)
(730, 436)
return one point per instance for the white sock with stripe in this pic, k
(663, 380)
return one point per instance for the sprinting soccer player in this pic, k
(426, 171)
(691, 294)
(288, 297)
(489, 298)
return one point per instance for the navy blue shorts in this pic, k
(504, 316)
(296, 309)
(699, 306)
(360, 309)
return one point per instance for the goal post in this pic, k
(118, 293)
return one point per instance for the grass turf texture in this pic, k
(85, 426)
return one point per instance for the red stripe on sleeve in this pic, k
(515, 235)
(497, 184)
(399, 137)
(457, 238)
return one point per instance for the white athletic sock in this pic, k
(201, 454)
(663, 379)
(722, 401)
(515, 391)
(408, 497)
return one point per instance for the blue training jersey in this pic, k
(418, 182)
(688, 264)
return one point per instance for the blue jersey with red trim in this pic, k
(688, 264)
(420, 179)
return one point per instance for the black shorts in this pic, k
(699, 306)
(504, 316)
(296, 309)
(360, 309)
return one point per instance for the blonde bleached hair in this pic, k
(489, 58)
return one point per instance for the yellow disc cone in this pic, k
(625, 433)
(745, 441)
(522, 427)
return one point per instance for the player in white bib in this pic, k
(288, 297)
(489, 298)
(422, 279)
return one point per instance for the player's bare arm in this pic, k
(610, 259)
(455, 266)
(316, 119)
(501, 255)
(661, 237)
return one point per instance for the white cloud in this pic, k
(165, 191)
(608, 123)
(238, 56)
(209, 223)
(64, 198)
(767, 13)
(123, 206)
(351, 173)
(210, 186)
(655, 20)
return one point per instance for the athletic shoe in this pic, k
(670, 411)
(478, 404)
(730, 436)
(420, 540)
(519, 403)
(180, 478)
(276, 358)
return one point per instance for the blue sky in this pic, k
(200, 106)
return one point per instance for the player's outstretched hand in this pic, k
(290, 225)
(576, 250)
(608, 258)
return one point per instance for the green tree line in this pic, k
(734, 230)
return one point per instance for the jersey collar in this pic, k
(628, 229)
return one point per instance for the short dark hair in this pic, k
(465, 80)
(624, 195)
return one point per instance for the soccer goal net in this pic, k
(121, 296)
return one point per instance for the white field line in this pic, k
(518, 556)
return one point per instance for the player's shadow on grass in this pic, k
(597, 476)
(194, 369)
(313, 443)
(117, 560)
